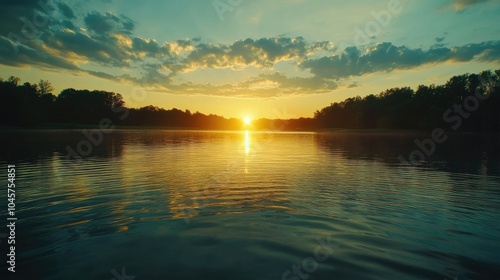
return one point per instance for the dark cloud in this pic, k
(108, 23)
(439, 39)
(324, 45)
(68, 24)
(16, 15)
(28, 56)
(66, 11)
(385, 57)
(148, 47)
(107, 52)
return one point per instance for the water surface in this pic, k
(251, 205)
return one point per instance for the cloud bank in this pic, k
(52, 35)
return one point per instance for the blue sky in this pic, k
(240, 57)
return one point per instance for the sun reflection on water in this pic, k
(247, 142)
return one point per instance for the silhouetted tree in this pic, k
(403, 108)
(31, 105)
(44, 87)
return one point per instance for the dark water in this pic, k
(248, 205)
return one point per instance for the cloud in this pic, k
(108, 23)
(386, 57)
(262, 86)
(104, 44)
(66, 11)
(103, 75)
(16, 13)
(148, 47)
(439, 39)
(264, 52)
(28, 56)
(291, 85)
(81, 47)
(464, 4)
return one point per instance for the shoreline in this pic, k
(320, 131)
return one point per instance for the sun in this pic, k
(247, 120)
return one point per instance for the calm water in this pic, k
(247, 205)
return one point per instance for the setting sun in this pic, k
(247, 120)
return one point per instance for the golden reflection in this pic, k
(247, 149)
(123, 229)
(247, 142)
(183, 191)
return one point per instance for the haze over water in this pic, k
(251, 205)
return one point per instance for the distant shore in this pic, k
(73, 127)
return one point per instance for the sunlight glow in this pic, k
(247, 142)
(247, 120)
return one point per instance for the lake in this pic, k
(252, 205)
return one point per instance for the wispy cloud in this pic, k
(464, 4)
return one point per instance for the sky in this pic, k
(238, 58)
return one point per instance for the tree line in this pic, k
(34, 105)
(471, 99)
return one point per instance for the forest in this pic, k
(467, 102)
